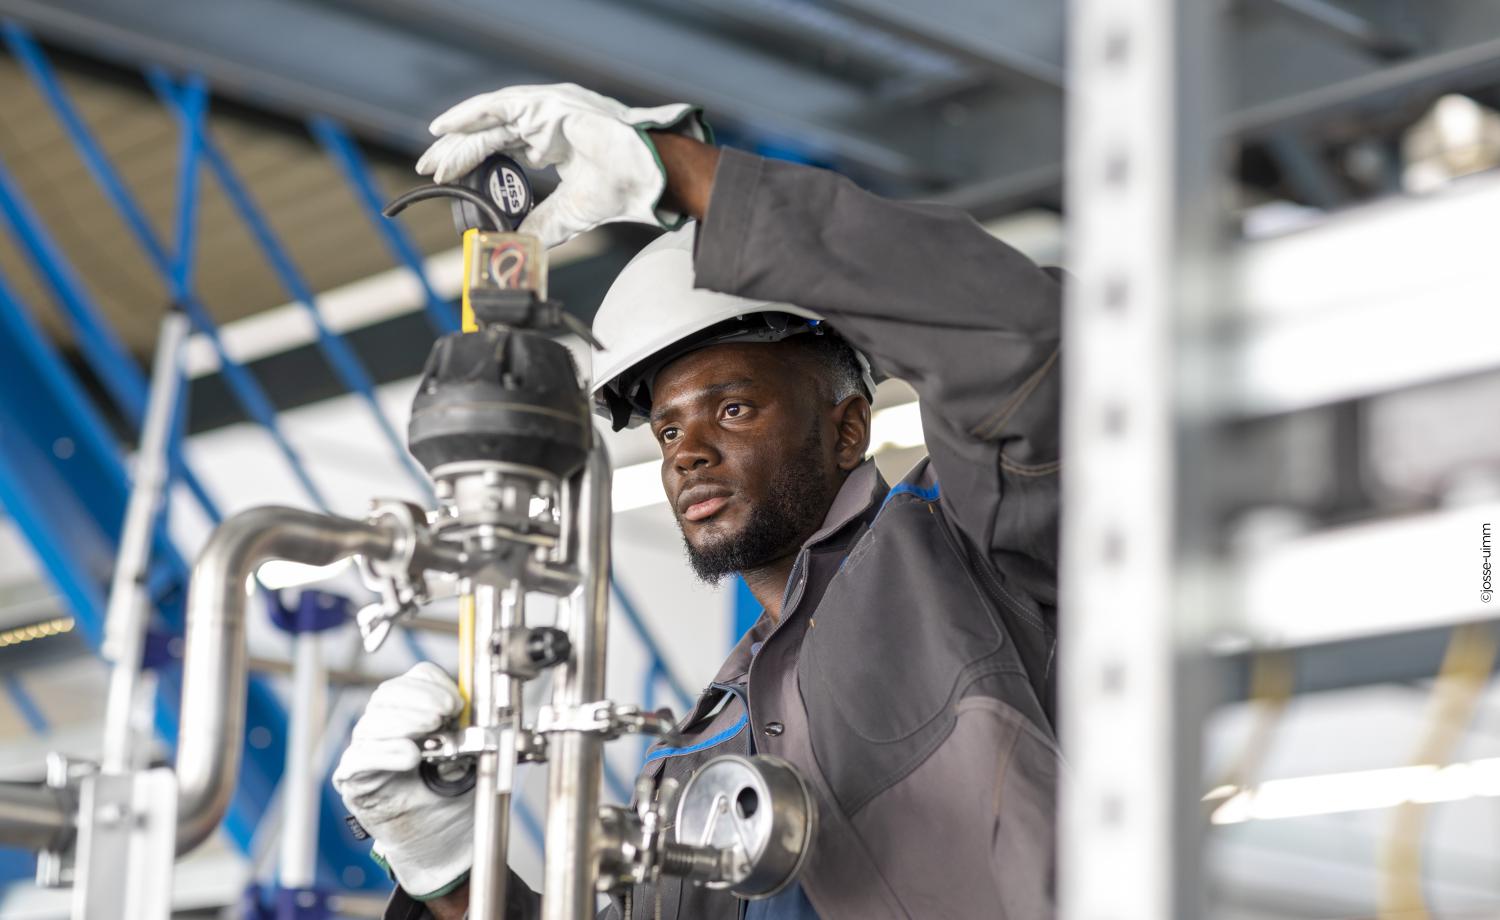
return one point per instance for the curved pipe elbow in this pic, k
(214, 664)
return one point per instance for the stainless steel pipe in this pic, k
(493, 769)
(576, 758)
(33, 817)
(214, 670)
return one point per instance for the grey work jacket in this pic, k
(910, 677)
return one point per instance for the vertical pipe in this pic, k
(129, 607)
(490, 690)
(302, 784)
(576, 757)
(511, 703)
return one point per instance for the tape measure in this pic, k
(503, 183)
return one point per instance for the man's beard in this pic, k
(795, 505)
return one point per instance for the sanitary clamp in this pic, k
(398, 578)
(602, 717)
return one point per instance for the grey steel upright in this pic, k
(1140, 176)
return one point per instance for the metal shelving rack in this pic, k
(1177, 334)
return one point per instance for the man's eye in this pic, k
(733, 410)
(668, 434)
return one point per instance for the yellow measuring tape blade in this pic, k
(466, 654)
(466, 602)
(470, 244)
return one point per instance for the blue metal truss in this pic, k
(62, 478)
(62, 481)
(345, 154)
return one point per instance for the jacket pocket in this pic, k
(988, 793)
(891, 646)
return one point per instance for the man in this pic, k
(904, 660)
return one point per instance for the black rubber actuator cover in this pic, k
(500, 394)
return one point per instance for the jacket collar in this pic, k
(864, 490)
(859, 497)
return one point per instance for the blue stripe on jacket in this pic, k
(720, 738)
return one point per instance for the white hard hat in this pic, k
(652, 314)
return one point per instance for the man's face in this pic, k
(751, 455)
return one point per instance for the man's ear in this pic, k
(851, 420)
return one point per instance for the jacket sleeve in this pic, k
(933, 298)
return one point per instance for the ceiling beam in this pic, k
(1377, 37)
(1022, 38)
(282, 74)
(1453, 69)
(388, 67)
(1302, 100)
(650, 59)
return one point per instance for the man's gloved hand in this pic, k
(609, 167)
(426, 839)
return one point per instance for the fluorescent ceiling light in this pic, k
(43, 630)
(639, 485)
(1363, 790)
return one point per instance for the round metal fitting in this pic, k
(774, 729)
(758, 812)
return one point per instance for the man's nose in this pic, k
(694, 450)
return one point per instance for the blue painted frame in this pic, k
(175, 272)
(71, 508)
(71, 511)
(341, 358)
(345, 154)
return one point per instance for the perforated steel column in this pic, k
(1138, 174)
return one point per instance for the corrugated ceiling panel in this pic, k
(308, 203)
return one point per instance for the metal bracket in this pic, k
(447, 746)
(602, 717)
(54, 868)
(464, 742)
(127, 838)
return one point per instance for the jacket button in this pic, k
(774, 728)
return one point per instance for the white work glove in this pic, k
(425, 839)
(609, 168)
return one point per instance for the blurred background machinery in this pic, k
(1282, 224)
